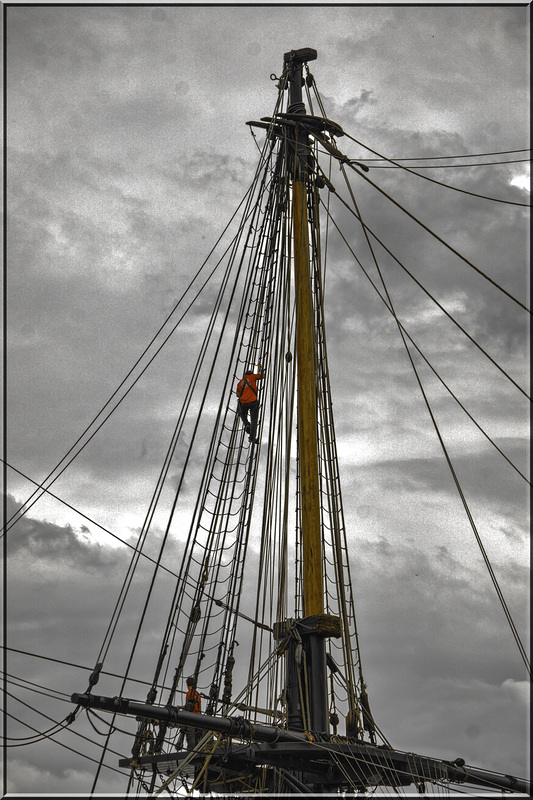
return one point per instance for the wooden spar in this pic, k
(312, 563)
(313, 594)
(313, 591)
(359, 761)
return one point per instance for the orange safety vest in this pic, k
(194, 697)
(247, 389)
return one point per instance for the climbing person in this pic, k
(248, 402)
(192, 703)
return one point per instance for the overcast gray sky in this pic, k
(127, 154)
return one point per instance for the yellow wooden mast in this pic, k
(313, 626)
(313, 591)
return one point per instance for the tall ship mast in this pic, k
(258, 682)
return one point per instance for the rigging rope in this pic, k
(439, 239)
(425, 358)
(85, 668)
(344, 159)
(396, 165)
(400, 328)
(24, 508)
(225, 284)
(439, 158)
(447, 313)
(509, 618)
(47, 735)
(332, 508)
(207, 465)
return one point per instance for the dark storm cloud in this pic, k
(53, 543)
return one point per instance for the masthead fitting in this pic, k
(294, 61)
(300, 56)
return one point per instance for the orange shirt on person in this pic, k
(194, 697)
(248, 393)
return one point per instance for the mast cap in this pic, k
(301, 56)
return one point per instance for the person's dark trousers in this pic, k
(253, 408)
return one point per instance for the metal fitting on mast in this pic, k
(295, 60)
